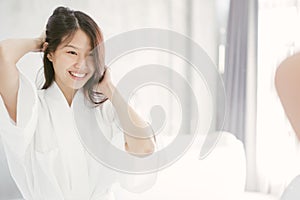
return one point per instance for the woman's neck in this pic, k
(69, 96)
(68, 93)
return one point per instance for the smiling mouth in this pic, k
(77, 75)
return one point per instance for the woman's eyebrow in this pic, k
(70, 45)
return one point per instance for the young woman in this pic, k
(45, 155)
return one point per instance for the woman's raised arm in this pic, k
(11, 50)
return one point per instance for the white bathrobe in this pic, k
(45, 156)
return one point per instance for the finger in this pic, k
(44, 46)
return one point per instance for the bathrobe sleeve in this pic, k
(17, 136)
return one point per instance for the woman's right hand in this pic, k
(40, 47)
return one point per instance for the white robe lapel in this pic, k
(68, 140)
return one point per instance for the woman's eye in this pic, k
(72, 52)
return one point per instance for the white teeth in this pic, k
(77, 74)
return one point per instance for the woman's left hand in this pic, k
(105, 86)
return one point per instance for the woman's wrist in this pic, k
(38, 44)
(40, 41)
(108, 90)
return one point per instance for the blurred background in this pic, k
(258, 154)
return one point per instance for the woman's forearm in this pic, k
(11, 50)
(138, 134)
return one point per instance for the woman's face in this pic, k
(73, 62)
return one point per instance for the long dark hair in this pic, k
(61, 26)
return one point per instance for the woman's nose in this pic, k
(81, 63)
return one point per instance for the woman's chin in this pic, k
(78, 85)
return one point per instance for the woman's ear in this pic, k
(49, 56)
